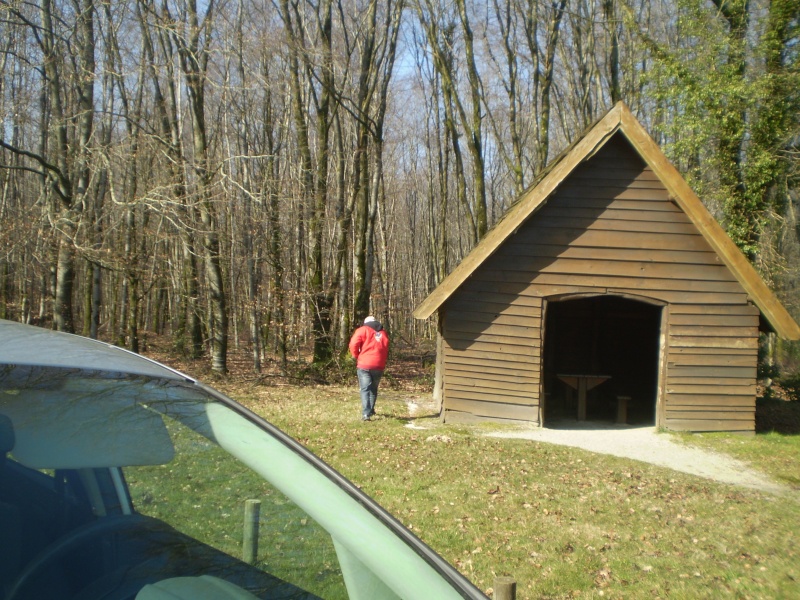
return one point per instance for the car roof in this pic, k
(35, 346)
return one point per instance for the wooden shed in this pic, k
(607, 292)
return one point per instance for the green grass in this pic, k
(565, 523)
(203, 492)
(776, 454)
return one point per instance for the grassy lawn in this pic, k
(775, 454)
(203, 491)
(565, 523)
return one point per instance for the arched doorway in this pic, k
(601, 360)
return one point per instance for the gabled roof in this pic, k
(620, 119)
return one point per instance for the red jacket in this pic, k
(370, 346)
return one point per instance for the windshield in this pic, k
(223, 493)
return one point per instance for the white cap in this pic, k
(369, 320)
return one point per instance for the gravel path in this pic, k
(638, 443)
(646, 445)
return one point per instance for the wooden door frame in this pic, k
(660, 400)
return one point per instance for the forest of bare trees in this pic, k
(265, 173)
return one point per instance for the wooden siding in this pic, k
(609, 228)
(712, 358)
(492, 345)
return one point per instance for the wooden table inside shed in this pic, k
(583, 383)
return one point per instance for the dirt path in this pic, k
(643, 444)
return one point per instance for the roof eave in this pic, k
(620, 118)
(741, 268)
(530, 201)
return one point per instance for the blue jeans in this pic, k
(368, 380)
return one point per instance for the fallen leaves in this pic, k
(485, 504)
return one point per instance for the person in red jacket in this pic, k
(370, 347)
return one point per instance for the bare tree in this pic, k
(439, 27)
(157, 49)
(542, 71)
(378, 49)
(63, 160)
(313, 181)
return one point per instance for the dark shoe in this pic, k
(365, 419)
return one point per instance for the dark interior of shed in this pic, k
(609, 343)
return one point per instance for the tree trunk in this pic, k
(65, 278)
(546, 80)
(321, 301)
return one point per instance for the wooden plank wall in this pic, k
(609, 228)
(491, 354)
(711, 367)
